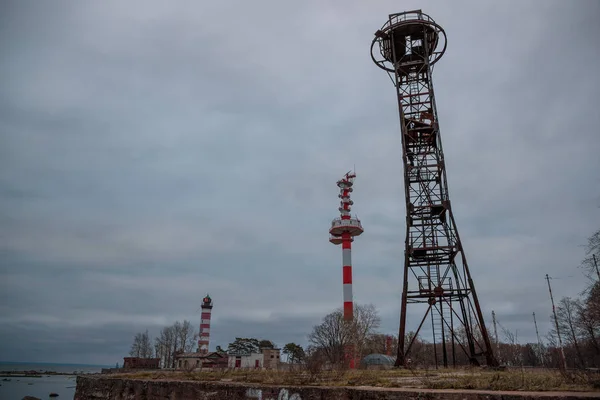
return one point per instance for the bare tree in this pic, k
(147, 349)
(135, 350)
(592, 302)
(512, 349)
(421, 352)
(141, 346)
(165, 344)
(330, 337)
(529, 355)
(334, 334)
(378, 343)
(366, 321)
(176, 328)
(187, 336)
(567, 322)
(315, 359)
(159, 351)
(179, 337)
(587, 325)
(592, 249)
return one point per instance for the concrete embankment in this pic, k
(105, 388)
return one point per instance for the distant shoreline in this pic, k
(7, 363)
(37, 374)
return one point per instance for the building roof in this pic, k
(245, 353)
(190, 355)
(213, 354)
(240, 353)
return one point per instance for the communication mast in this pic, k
(436, 274)
(342, 231)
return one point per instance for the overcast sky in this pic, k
(151, 152)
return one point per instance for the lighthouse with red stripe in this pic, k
(342, 231)
(205, 325)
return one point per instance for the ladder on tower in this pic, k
(438, 309)
(434, 277)
(414, 98)
(438, 332)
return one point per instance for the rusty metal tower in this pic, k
(436, 274)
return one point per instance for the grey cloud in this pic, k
(150, 154)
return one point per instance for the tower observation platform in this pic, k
(345, 227)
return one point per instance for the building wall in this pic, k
(140, 363)
(188, 362)
(246, 361)
(196, 360)
(271, 358)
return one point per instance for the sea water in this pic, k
(15, 388)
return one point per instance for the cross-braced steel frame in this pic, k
(436, 273)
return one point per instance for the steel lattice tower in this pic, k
(436, 273)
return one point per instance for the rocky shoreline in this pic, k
(108, 388)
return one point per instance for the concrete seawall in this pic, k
(105, 388)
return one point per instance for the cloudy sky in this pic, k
(151, 152)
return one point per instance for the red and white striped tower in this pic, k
(204, 337)
(342, 231)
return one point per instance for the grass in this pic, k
(540, 380)
(528, 380)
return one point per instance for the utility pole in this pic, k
(496, 335)
(562, 351)
(537, 333)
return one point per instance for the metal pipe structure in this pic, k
(342, 231)
(204, 337)
(436, 273)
